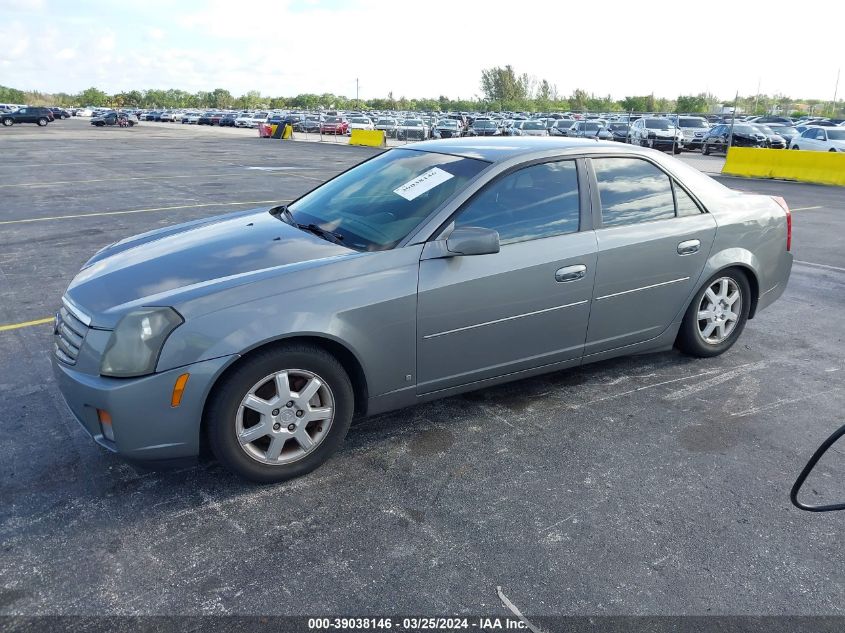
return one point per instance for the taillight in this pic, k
(786, 210)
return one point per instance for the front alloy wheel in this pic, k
(280, 412)
(284, 416)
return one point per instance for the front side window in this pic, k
(632, 191)
(537, 201)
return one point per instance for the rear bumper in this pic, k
(145, 427)
(769, 296)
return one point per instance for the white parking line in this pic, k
(115, 179)
(807, 208)
(824, 266)
(131, 211)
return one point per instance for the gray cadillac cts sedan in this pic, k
(425, 271)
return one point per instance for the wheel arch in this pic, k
(743, 267)
(342, 352)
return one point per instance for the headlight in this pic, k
(137, 340)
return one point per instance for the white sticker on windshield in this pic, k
(419, 185)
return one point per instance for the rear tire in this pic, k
(8, 122)
(707, 329)
(227, 417)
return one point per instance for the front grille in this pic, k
(69, 333)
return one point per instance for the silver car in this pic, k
(421, 273)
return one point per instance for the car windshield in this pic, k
(483, 124)
(658, 124)
(332, 119)
(692, 123)
(765, 129)
(359, 119)
(386, 122)
(618, 126)
(785, 129)
(412, 123)
(836, 135)
(591, 127)
(533, 125)
(376, 204)
(448, 123)
(746, 129)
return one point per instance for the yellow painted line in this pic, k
(117, 178)
(17, 326)
(130, 211)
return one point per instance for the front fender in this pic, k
(366, 304)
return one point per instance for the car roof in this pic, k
(494, 149)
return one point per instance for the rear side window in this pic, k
(632, 191)
(684, 203)
(537, 201)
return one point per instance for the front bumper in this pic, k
(145, 427)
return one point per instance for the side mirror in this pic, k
(796, 488)
(472, 240)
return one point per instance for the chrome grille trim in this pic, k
(76, 312)
(69, 333)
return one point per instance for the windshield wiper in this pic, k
(319, 231)
(284, 214)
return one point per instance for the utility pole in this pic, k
(836, 92)
(357, 102)
(757, 98)
(733, 119)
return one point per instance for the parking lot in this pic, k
(645, 485)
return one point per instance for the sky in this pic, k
(425, 48)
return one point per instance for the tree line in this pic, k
(501, 88)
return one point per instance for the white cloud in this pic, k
(285, 47)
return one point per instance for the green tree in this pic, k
(502, 87)
(93, 97)
(690, 103)
(11, 95)
(637, 104)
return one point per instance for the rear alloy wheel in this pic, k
(717, 315)
(281, 413)
(8, 122)
(42, 122)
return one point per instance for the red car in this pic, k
(334, 125)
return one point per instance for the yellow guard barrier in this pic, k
(826, 168)
(369, 138)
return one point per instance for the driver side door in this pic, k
(484, 316)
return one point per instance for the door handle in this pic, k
(570, 273)
(688, 247)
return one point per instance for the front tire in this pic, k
(716, 316)
(8, 122)
(281, 413)
(42, 122)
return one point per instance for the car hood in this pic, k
(185, 261)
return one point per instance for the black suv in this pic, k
(41, 116)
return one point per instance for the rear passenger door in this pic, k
(653, 241)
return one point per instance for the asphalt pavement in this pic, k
(651, 485)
